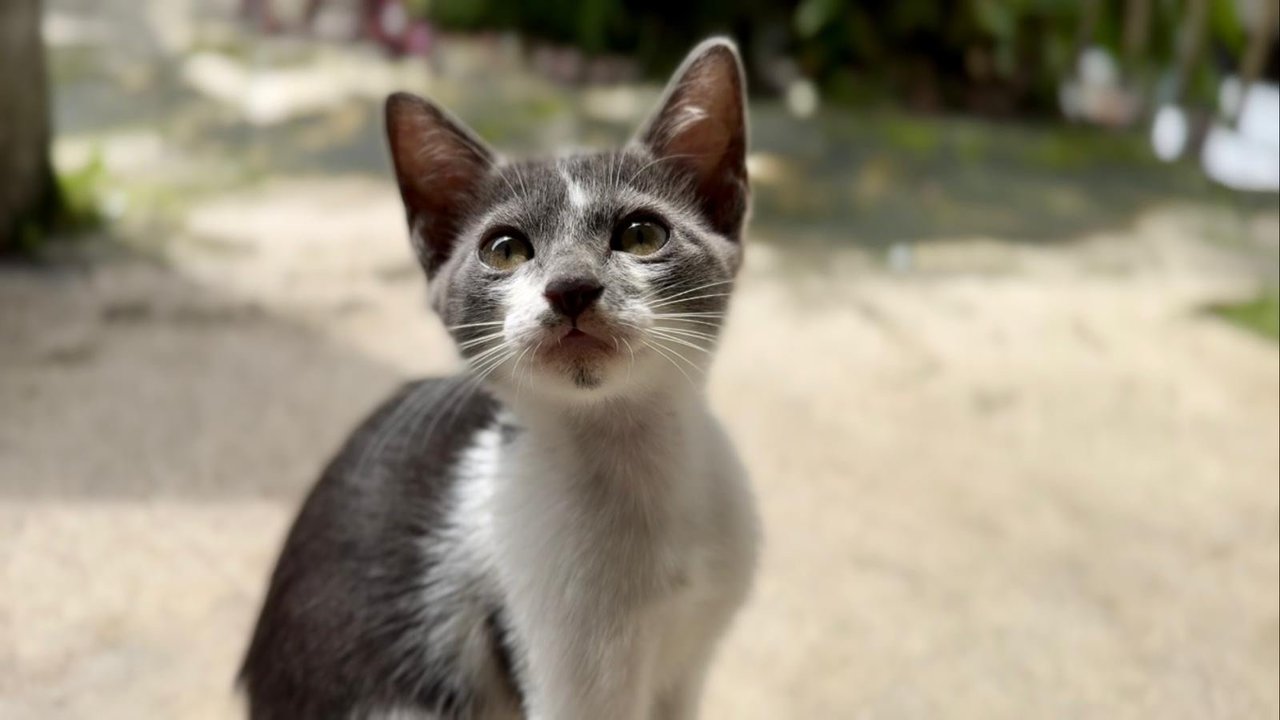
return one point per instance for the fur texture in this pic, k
(564, 532)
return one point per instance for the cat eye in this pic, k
(505, 251)
(640, 237)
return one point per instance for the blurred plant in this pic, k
(989, 56)
(75, 207)
(81, 195)
(656, 33)
(1261, 315)
(1002, 55)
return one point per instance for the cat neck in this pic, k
(652, 433)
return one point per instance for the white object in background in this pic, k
(802, 98)
(1259, 109)
(1095, 94)
(1246, 157)
(1239, 162)
(1169, 133)
(1098, 69)
(900, 258)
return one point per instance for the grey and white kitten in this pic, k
(564, 532)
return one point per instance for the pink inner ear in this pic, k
(702, 118)
(702, 123)
(438, 165)
(700, 136)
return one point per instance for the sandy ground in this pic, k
(1007, 484)
(1016, 480)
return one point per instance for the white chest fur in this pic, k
(622, 552)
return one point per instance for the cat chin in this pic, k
(584, 381)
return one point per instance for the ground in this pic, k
(1008, 472)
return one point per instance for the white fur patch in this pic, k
(577, 194)
(635, 556)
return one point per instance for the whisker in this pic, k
(407, 408)
(482, 339)
(690, 290)
(670, 360)
(529, 368)
(475, 324)
(477, 360)
(633, 358)
(690, 333)
(689, 314)
(515, 168)
(510, 187)
(516, 371)
(450, 406)
(483, 369)
(658, 160)
(694, 321)
(674, 339)
(675, 352)
(615, 171)
(691, 299)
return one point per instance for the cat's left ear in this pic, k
(439, 166)
(701, 125)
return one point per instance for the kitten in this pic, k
(564, 532)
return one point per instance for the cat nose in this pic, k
(572, 296)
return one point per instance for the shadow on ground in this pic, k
(221, 399)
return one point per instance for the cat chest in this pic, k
(686, 621)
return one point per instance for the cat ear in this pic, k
(701, 125)
(439, 165)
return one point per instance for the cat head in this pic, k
(592, 275)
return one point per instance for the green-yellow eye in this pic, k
(640, 237)
(505, 251)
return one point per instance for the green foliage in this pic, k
(71, 206)
(1261, 315)
(80, 192)
(656, 32)
(989, 56)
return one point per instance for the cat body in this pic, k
(565, 532)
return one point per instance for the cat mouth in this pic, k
(576, 344)
(578, 338)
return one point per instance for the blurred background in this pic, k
(1002, 361)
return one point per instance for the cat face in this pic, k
(592, 275)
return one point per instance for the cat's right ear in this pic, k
(439, 166)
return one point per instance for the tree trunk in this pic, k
(28, 195)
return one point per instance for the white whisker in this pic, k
(684, 300)
(516, 372)
(686, 332)
(689, 314)
(674, 339)
(406, 409)
(690, 290)
(481, 339)
(655, 348)
(707, 323)
(658, 160)
(475, 324)
(633, 358)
